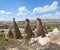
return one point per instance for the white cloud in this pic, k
(5, 18)
(22, 11)
(51, 16)
(4, 12)
(46, 8)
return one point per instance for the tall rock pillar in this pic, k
(16, 31)
(27, 30)
(40, 30)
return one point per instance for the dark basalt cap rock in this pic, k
(27, 20)
(39, 19)
(13, 19)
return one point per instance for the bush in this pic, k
(2, 31)
(49, 27)
(33, 28)
(6, 26)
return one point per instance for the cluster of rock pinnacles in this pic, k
(28, 33)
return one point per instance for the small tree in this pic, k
(6, 26)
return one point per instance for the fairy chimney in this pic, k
(39, 29)
(16, 31)
(27, 30)
(10, 33)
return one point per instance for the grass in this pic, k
(23, 44)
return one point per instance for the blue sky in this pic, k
(32, 9)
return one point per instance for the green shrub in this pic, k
(49, 27)
(2, 31)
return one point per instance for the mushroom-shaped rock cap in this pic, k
(39, 19)
(13, 19)
(27, 20)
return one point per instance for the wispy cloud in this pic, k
(51, 16)
(3, 12)
(46, 8)
(22, 11)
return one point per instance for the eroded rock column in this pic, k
(27, 30)
(39, 29)
(16, 31)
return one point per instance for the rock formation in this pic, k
(27, 30)
(39, 29)
(16, 31)
(10, 33)
(45, 29)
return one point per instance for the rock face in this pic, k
(40, 30)
(16, 32)
(51, 46)
(48, 46)
(27, 30)
(45, 29)
(10, 33)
